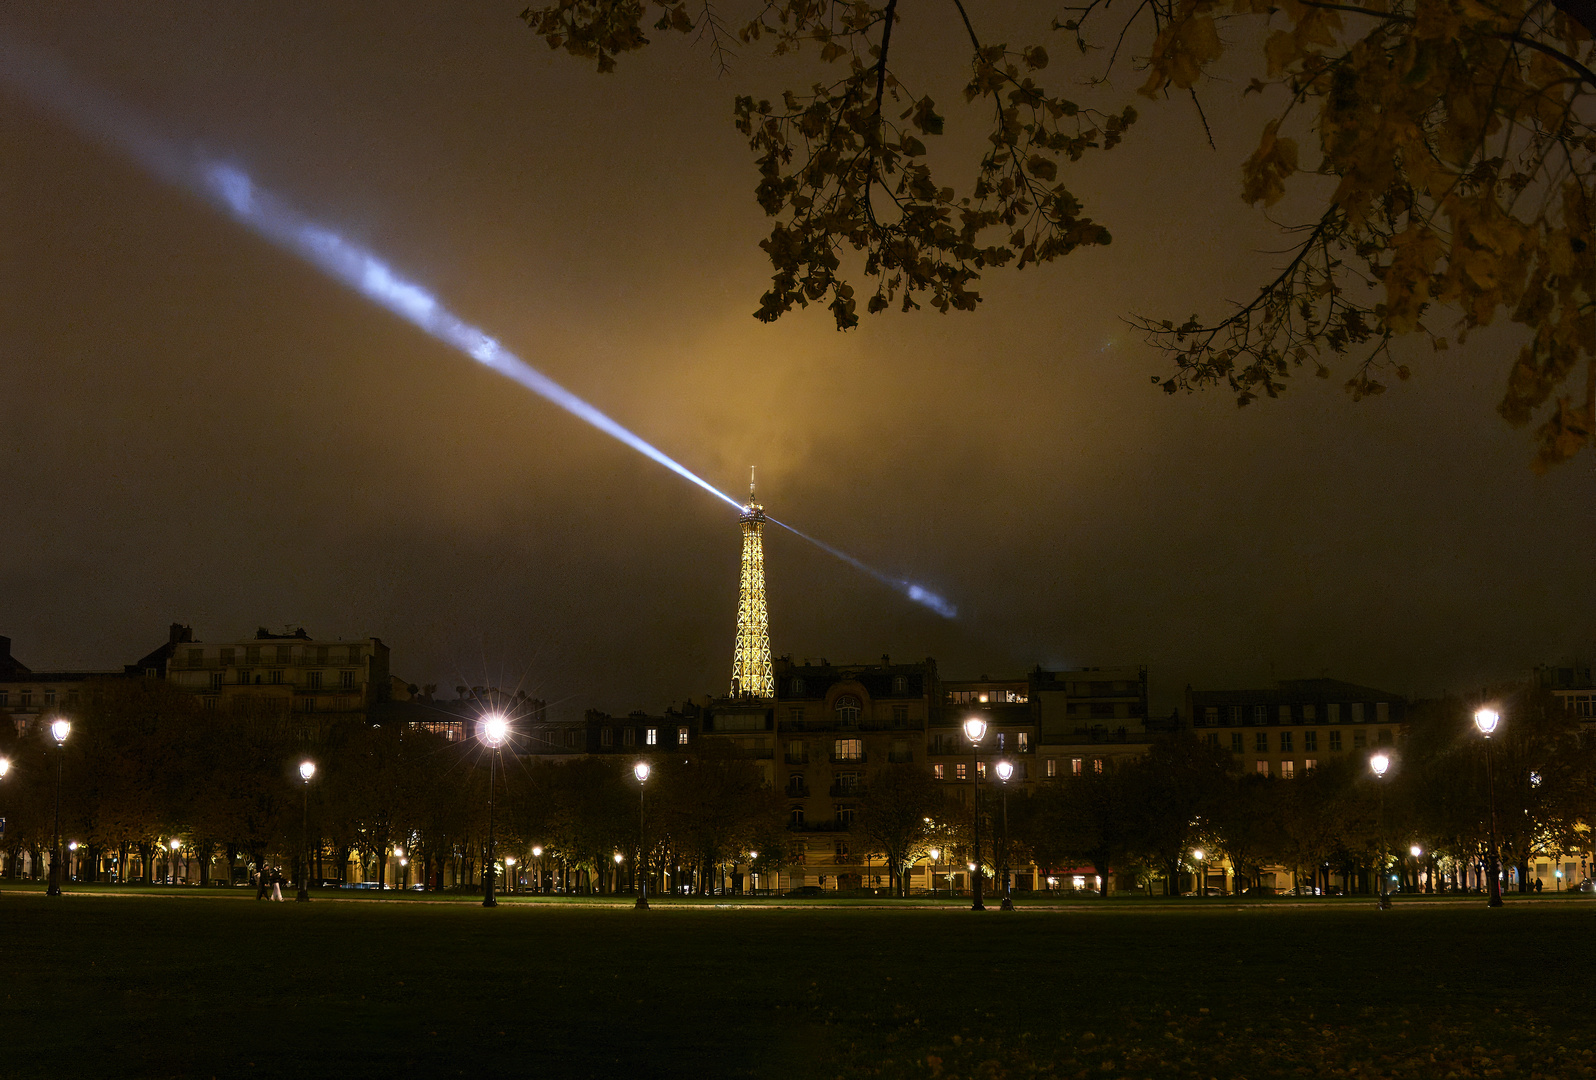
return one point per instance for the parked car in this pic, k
(1586, 886)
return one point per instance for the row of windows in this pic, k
(1286, 741)
(796, 685)
(25, 699)
(274, 677)
(847, 710)
(629, 736)
(1307, 714)
(988, 697)
(281, 654)
(1288, 769)
(1018, 741)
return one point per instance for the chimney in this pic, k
(177, 634)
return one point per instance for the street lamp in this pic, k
(493, 731)
(537, 853)
(509, 873)
(307, 769)
(1416, 851)
(1202, 870)
(176, 845)
(641, 771)
(59, 730)
(935, 853)
(1486, 720)
(1005, 769)
(1379, 763)
(5, 767)
(975, 731)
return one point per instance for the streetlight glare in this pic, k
(60, 729)
(5, 766)
(618, 858)
(494, 730)
(936, 853)
(1486, 720)
(753, 854)
(537, 853)
(176, 845)
(307, 769)
(1415, 851)
(1005, 769)
(975, 729)
(1380, 763)
(1198, 854)
(641, 771)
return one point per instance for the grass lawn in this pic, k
(216, 984)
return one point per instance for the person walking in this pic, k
(260, 884)
(277, 886)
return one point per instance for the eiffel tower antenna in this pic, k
(751, 669)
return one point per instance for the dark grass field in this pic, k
(203, 985)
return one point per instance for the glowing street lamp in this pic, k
(5, 767)
(175, 845)
(641, 771)
(307, 769)
(1005, 769)
(975, 731)
(1378, 764)
(1486, 720)
(59, 730)
(493, 730)
(935, 854)
(1202, 870)
(537, 853)
(509, 873)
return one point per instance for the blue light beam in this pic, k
(229, 188)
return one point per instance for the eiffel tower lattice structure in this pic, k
(751, 669)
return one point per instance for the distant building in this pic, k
(29, 696)
(1288, 730)
(284, 674)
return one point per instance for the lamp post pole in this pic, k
(5, 767)
(1486, 720)
(1005, 769)
(307, 769)
(975, 731)
(1379, 763)
(493, 730)
(641, 771)
(59, 730)
(935, 854)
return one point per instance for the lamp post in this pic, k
(1486, 720)
(1202, 872)
(509, 873)
(493, 732)
(307, 769)
(618, 858)
(641, 771)
(537, 853)
(176, 845)
(1005, 769)
(975, 731)
(1379, 763)
(59, 730)
(935, 853)
(1417, 852)
(5, 767)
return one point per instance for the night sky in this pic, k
(196, 427)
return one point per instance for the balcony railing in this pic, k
(797, 759)
(849, 759)
(799, 792)
(846, 791)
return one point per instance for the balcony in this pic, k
(850, 759)
(846, 791)
(796, 759)
(900, 757)
(798, 791)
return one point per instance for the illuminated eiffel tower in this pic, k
(751, 671)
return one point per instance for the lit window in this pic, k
(1075, 766)
(980, 769)
(937, 772)
(1262, 767)
(1023, 742)
(651, 738)
(1097, 764)
(848, 750)
(1335, 740)
(681, 736)
(1052, 767)
(900, 684)
(961, 771)
(797, 685)
(1000, 740)
(1288, 770)
(1310, 765)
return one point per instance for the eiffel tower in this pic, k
(751, 671)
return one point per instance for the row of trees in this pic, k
(145, 764)
(1147, 816)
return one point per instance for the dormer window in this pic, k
(848, 708)
(797, 685)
